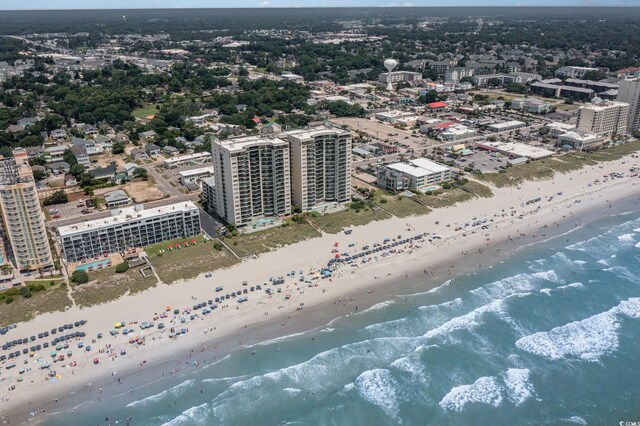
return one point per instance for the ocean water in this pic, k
(550, 336)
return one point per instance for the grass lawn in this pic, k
(52, 300)
(146, 110)
(336, 222)
(47, 282)
(401, 206)
(270, 239)
(105, 285)
(188, 262)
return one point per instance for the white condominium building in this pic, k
(128, 228)
(252, 179)
(604, 118)
(629, 92)
(320, 166)
(416, 175)
(21, 214)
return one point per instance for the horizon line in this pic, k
(515, 6)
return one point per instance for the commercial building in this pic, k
(417, 175)
(456, 132)
(320, 166)
(21, 214)
(185, 160)
(629, 92)
(127, 228)
(557, 129)
(534, 106)
(252, 179)
(195, 176)
(604, 118)
(515, 150)
(579, 141)
(506, 126)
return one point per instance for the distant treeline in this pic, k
(177, 21)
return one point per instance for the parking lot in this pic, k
(71, 209)
(485, 161)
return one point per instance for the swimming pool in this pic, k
(262, 222)
(95, 265)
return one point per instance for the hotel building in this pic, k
(603, 118)
(127, 228)
(320, 166)
(21, 214)
(252, 179)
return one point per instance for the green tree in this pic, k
(76, 170)
(117, 148)
(25, 292)
(58, 197)
(79, 277)
(122, 267)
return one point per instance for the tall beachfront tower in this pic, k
(252, 179)
(320, 166)
(21, 214)
(629, 92)
(604, 118)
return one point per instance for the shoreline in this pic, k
(406, 274)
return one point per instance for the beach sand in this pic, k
(349, 289)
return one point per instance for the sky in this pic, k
(154, 4)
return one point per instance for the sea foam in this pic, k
(379, 388)
(518, 386)
(588, 339)
(485, 390)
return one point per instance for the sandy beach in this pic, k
(566, 202)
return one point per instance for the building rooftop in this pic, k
(312, 132)
(240, 144)
(409, 169)
(124, 215)
(194, 172)
(189, 157)
(429, 165)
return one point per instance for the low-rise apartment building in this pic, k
(417, 175)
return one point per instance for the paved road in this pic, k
(208, 224)
(99, 215)
(161, 183)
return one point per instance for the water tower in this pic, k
(390, 64)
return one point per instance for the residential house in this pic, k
(104, 142)
(69, 180)
(55, 153)
(122, 138)
(14, 128)
(90, 130)
(138, 155)
(81, 155)
(130, 168)
(58, 134)
(170, 150)
(59, 167)
(29, 121)
(89, 146)
(152, 150)
(150, 134)
(103, 172)
(117, 198)
(35, 152)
